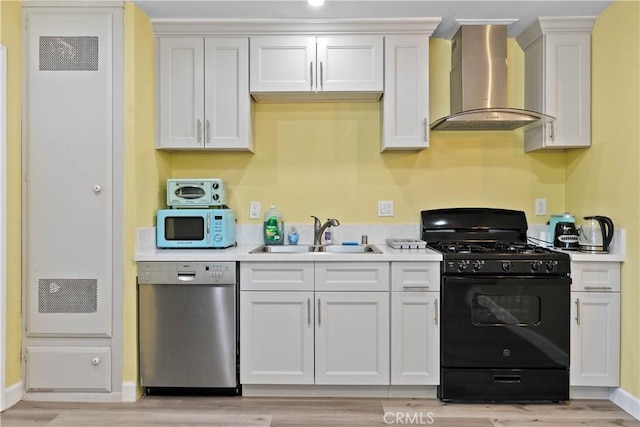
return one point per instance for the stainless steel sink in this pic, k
(349, 249)
(296, 249)
(276, 249)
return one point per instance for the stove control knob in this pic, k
(535, 265)
(506, 265)
(551, 265)
(462, 265)
(478, 264)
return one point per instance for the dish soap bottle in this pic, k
(293, 236)
(273, 227)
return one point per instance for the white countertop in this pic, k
(146, 249)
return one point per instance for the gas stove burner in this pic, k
(518, 248)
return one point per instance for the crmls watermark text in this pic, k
(409, 418)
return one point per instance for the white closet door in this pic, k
(68, 168)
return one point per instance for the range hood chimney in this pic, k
(479, 84)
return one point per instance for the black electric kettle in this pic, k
(595, 234)
(565, 236)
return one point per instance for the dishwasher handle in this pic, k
(187, 276)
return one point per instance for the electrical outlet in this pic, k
(254, 210)
(385, 207)
(541, 206)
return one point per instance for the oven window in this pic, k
(184, 228)
(491, 310)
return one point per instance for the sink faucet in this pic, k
(319, 228)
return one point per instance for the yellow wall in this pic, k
(11, 37)
(145, 168)
(324, 160)
(605, 179)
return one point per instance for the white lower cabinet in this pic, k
(415, 323)
(352, 338)
(595, 324)
(595, 339)
(415, 338)
(276, 340)
(302, 337)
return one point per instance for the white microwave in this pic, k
(196, 193)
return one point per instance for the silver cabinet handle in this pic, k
(426, 130)
(308, 311)
(319, 312)
(321, 76)
(577, 311)
(417, 288)
(436, 310)
(311, 75)
(552, 130)
(598, 288)
(199, 130)
(208, 131)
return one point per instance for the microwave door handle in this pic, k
(208, 221)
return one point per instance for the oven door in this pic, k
(505, 322)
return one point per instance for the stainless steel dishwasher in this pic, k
(188, 326)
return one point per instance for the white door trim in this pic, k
(3, 220)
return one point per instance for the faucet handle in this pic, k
(316, 222)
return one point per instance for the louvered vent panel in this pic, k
(67, 295)
(68, 53)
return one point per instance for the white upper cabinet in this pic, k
(406, 94)
(299, 67)
(558, 80)
(203, 93)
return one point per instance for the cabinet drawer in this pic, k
(276, 276)
(69, 369)
(595, 276)
(352, 276)
(415, 276)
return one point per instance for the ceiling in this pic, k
(523, 12)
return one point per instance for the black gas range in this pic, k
(504, 334)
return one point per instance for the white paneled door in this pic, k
(68, 161)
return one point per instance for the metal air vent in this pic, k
(67, 295)
(68, 53)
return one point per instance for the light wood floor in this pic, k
(161, 411)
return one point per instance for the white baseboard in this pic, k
(73, 397)
(13, 395)
(130, 392)
(626, 401)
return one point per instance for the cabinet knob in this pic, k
(95, 361)
(97, 189)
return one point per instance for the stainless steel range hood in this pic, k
(479, 84)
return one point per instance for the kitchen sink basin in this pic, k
(350, 249)
(293, 249)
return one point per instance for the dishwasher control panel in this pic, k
(174, 272)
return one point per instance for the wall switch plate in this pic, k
(385, 207)
(254, 210)
(541, 206)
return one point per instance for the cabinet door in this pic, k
(595, 339)
(406, 95)
(276, 337)
(595, 276)
(350, 63)
(282, 63)
(227, 123)
(415, 276)
(352, 338)
(68, 369)
(181, 92)
(415, 338)
(558, 83)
